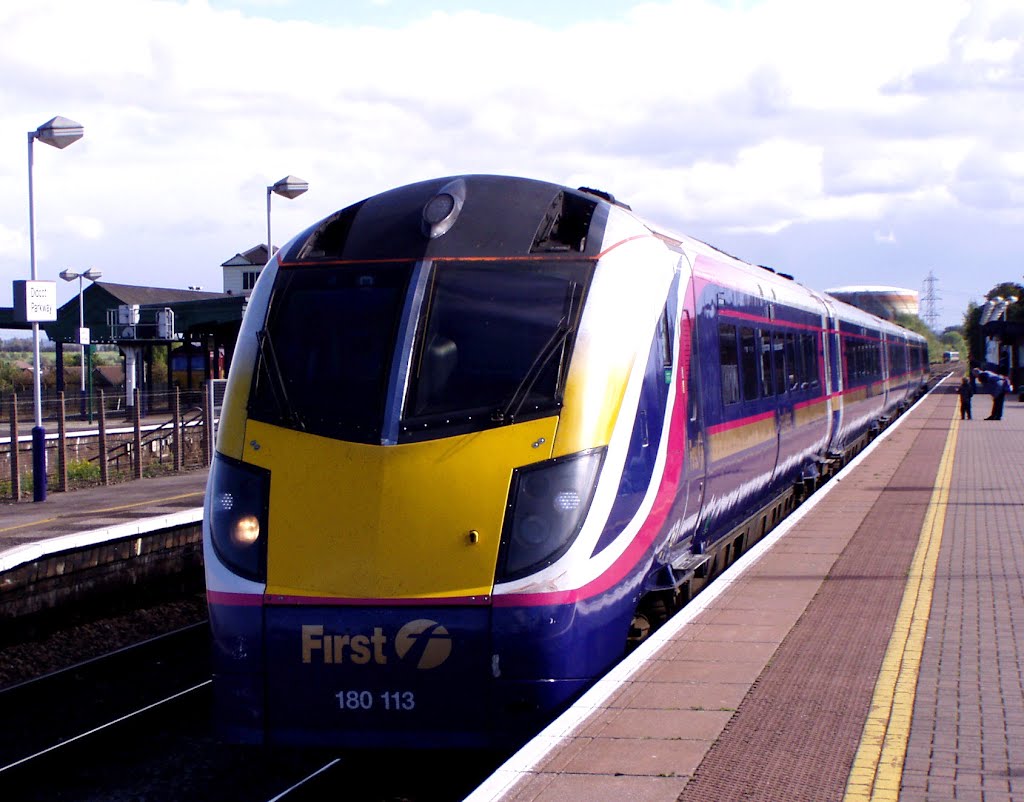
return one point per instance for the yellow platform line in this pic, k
(878, 766)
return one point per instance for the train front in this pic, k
(387, 454)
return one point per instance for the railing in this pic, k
(113, 448)
(160, 440)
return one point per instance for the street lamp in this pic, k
(288, 187)
(58, 132)
(83, 333)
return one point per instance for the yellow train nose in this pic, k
(412, 521)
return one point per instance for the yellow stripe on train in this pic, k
(360, 521)
(731, 441)
(810, 413)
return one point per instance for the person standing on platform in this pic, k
(995, 385)
(966, 392)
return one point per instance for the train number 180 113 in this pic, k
(369, 700)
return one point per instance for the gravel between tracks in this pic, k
(60, 647)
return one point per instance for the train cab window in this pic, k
(748, 363)
(495, 343)
(326, 349)
(728, 355)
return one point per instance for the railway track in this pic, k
(135, 724)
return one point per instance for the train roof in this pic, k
(755, 278)
(507, 216)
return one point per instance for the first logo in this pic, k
(426, 642)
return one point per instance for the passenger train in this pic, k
(482, 434)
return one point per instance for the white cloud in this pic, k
(767, 117)
(85, 227)
(12, 243)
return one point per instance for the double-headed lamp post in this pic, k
(288, 187)
(83, 339)
(58, 132)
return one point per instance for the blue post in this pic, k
(38, 463)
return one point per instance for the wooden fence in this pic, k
(109, 448)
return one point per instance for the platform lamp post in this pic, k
(58, 132)
(84, 339)
(288, 187)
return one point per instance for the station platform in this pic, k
(31, 531)
(99, 507)
(870, 648)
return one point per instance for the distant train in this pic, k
(483, 433)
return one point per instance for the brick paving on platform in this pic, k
(967, 738)
(765, 693)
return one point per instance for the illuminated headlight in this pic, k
(547, 505)
(246, 531)
(237, 499)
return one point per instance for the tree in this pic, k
(953, 340)
(914, 323)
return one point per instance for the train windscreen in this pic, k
(496, 337)
(326, 349)
(492, 341)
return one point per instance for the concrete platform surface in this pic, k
(93, 508)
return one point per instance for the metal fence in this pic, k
(117, 442)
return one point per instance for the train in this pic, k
(483, 434)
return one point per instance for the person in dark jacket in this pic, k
(966, 392)
(995, 385)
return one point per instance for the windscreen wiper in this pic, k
(508, 412)
(268, 358)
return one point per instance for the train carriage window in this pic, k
(767, 373)
(779, 363)
(810, 361)
(728, 355)
(794, 370)
(748, 362)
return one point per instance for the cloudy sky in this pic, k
(872, 142)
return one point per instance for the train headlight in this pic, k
(246, 531)
(547, 505)
(236, 509)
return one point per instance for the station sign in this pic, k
(35, 301)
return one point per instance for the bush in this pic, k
(82, 470)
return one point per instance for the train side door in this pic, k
(887, 368)
(832, 370)
(785, 416)
(695, 457)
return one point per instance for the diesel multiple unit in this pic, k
(481, 434)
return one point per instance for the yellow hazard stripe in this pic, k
(878, 767)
